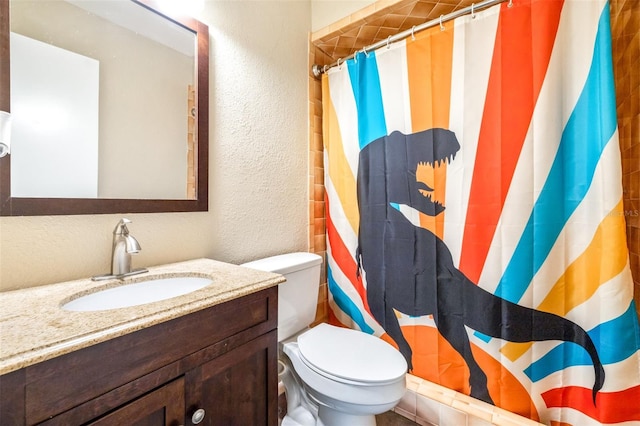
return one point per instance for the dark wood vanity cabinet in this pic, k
(226, 387)
(220, 362)
(163, 406)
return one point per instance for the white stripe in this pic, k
(411, 214)
(425, 320)
(344, 104)
(473, 41)
(622, 375)
(581, 376)
(567, 72)
(601, 198)
(611, 300)
(394, 85)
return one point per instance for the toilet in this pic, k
(333, 376)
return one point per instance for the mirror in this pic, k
(109, 103)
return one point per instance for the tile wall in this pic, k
(317, 232)
(625, 32)
(429, 404)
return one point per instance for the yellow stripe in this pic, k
(338, 168)
(604, 258)
(429, 63)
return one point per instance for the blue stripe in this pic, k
(615, 340)
(590, 126)
(345, 304)
(365, 82)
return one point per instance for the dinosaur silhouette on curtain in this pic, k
(409, 269)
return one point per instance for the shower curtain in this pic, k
(474, 210)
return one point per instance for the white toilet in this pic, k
(342, 377)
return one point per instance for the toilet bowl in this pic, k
(333, 376)
(350, 375)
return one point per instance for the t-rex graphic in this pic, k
(409, 269)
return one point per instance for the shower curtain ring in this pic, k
(473, 14)
(339, 59)
(413, 29)
(388, 41)
(364, 50)
(510, 3)
(324, 69)
(441, 26)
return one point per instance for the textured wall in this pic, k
(258, 163)
(326, 12)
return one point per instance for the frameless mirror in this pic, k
(109, 104)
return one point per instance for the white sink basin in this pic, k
(137, 294)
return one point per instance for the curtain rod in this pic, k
(319, 70)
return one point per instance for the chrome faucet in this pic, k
(124, 245)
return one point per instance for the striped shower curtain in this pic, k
(474, 210)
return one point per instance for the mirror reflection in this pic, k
(102, 101)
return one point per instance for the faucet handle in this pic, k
(121, 227)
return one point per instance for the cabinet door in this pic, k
(162, 407)
(238, 388)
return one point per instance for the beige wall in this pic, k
(258, 163)
(326, 12)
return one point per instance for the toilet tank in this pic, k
(298, 296)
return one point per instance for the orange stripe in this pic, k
(434, 359)
(610, 407)
(520, 60)
(429, 64)
(333, 319)
(429, 61)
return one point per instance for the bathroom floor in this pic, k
(385, 419)
(393, 419)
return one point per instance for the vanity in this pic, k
(207, 357)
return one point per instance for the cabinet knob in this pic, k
(198, 416)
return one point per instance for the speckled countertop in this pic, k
(34, 327)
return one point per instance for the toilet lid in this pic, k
(351, 355)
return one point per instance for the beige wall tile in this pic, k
(428, 409)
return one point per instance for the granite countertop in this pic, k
(34, 327)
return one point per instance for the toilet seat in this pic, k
(350, 356)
